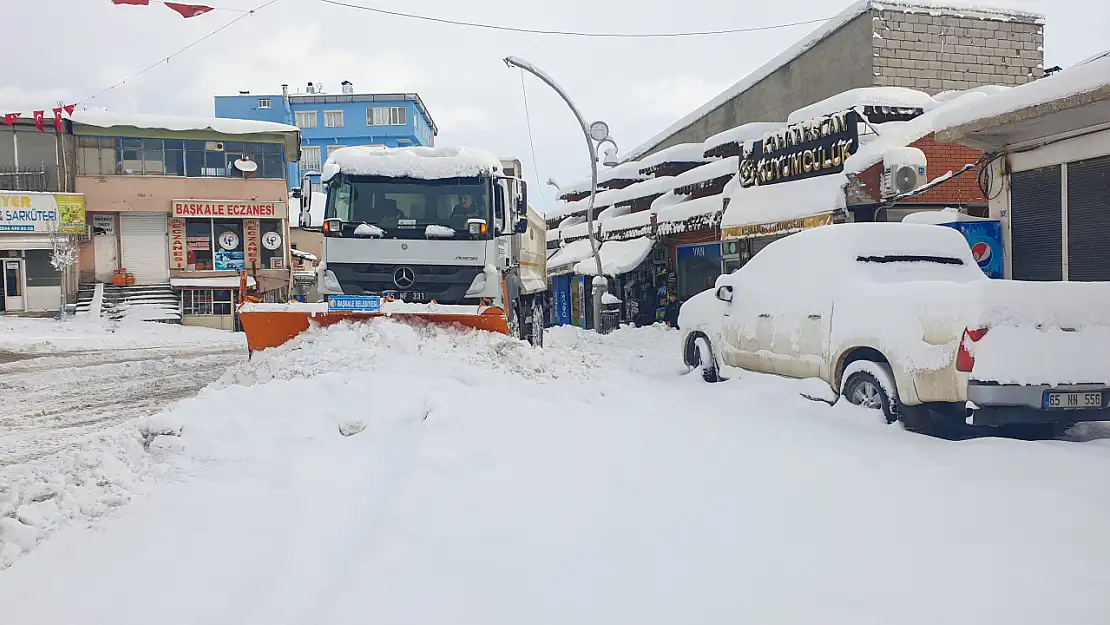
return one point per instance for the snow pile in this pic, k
(944, 216)
(318, 205)
(105, 119)
(617, 257)
(305, 256)
(609, 298)
(884, 97)
(436, 231)
(945, 96)
(411, 162)
(1073, 81)
(790, 200)
(369, 230)
(1027, 355)
(90, 333)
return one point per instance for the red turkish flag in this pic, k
(135, 2)
(39, 120)
(58, 119)
(188, 10)
(9, 118)
(69, 108)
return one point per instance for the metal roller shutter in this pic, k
(144, 239)
(1036, 224)
(1089, 220)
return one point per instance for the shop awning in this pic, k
(226, 282)
(783, 207)
(28, 241)
(617, 257)
(569, 255)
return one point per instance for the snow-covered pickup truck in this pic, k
(899, 317)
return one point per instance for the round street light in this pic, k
(599, 131)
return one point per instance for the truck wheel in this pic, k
(863, 388)
(537, 323)
(516, 330)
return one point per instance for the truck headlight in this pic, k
(477, 287)
(329, 284)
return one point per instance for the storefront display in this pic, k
(698, 268)
(228, 235)
(29, 223)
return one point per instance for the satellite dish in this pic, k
(247, 165)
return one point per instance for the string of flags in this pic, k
(185, 10)
(40, 117)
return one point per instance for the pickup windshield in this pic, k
(404, 208)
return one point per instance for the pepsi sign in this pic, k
(985, 239)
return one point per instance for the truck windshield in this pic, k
(404, 208)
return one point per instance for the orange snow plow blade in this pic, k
(270, 325)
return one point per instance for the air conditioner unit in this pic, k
(903, 171)
(85, 236)
(214, 146)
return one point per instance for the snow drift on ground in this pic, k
(85, 332)
(427, 475)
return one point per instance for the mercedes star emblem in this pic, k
(404, 277)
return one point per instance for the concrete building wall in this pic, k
(934, 53)
(841, 61)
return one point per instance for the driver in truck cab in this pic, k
(467, 208)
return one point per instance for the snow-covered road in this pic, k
(486, 482)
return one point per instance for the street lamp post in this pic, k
(596, 132)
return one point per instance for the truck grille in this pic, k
(444, 283)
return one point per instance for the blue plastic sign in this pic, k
(985, 239)
(355, 303)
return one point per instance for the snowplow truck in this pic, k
(445, 235)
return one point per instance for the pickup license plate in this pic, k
(1054, 400)
(355, 303)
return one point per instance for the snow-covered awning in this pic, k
(710, 171)
(569, 254)
(738, 136)
(681, 153)
(885, 97)
(617, 257)
(225, 282)
(783, 207)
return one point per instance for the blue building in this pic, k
(332, 121)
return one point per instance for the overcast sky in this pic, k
(71, 49)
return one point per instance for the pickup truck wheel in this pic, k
(703, 353)
(863, 388)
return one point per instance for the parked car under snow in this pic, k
(899, 317)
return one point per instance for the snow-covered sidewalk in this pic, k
(20, 335)
(386, 473)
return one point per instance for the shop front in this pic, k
(698, 268)
(31, 225)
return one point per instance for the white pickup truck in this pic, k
(899, 317)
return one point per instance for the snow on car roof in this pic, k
(106, 119)
(950, 7)
(789, 200)
(410, 162)
(893, 97)
(1078, 79)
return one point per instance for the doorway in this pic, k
(12, 285)
(106, 257)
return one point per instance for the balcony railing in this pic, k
(36, 178)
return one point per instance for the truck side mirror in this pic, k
(521, 225)
(522, 203)
(297, 192)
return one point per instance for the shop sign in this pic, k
(103, 223)
(707, 251)
(778, 227)
(812, 148)
(229, 209)
(228, 240)
(271, 241)
(197, 244)
(251, 228)
(42, 212)
(177, 244)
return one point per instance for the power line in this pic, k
(571, 33)
(146, 69)
(528, 121)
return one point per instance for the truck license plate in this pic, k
(1072, 401)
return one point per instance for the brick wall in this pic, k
(934, 53)
(941, 158)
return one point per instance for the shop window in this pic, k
(228, 245)
(105, 156)
(272, 236)
(198, 244)
(39, 270)
(206, 302)
(273, 160)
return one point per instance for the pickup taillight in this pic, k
(965, 362)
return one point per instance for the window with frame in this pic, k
(310, 158)
(386, 116)
(198, 244)
(263, 103)
(333, 119)
(125, 156)
(206, 302)
(266, 255)
(39, 271)
(306, 119)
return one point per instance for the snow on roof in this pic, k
(681, 153)
(945, 96)
(651, 186)
(625, 222)
(788, 200)
(902, 134)
(741, 134)
(944, 216)
(106, 119)
(410, 162)
(226, 282)
(894, 97)
(1072, 81)
(572, 252)
(629, 170)
(617, 257)
(315, 210)
(724, 167)
(697, 207)
(823, 31)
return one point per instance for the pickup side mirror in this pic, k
(724, 293)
